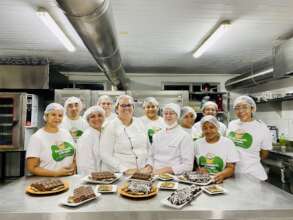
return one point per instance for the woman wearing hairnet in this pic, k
(124, 143)
(251, 137)
(172, 149)
(214, 153)
(106, 103)
(209, 108)
(88, 145)
(72, 121)
(151, 120)
(188, 116)
(50, 151)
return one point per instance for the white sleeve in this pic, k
(107, 148)
(85, 156)
(267, 141)
(34, 147)
(186, 154)
(232, 153)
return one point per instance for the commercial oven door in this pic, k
(11, 114)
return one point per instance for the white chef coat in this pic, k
(250, 138)
(75, 127)
(172, 148)
(214, 156)
(122, 147)
(88, 152)
(109, 118)
(55, 150)
(197, 130)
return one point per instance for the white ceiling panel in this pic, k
(156, 35)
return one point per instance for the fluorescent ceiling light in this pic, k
(55, 29)
(211, 39)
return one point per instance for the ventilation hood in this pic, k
(93, 20)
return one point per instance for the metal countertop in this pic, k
(247, 198)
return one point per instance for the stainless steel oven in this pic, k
(18, 111)
(11, 130)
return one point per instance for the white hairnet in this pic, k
(72, 100)
(151, 100)
(246, 99)
(209, 103)
(210, 119)
(104, 97)
(187, 109)
(174, 107)
(52, 107)
(93, 109)
(131, 101)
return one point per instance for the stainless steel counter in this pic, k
(283, 152)
(247, 198)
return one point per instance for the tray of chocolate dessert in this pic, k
(104, 177)
(81, 195)
(201, 179)
(138, 189)
(182, 197)
(47, 186)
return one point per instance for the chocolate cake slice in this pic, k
(47, 185)
(141, 176)
(81, 193)
(102, 175)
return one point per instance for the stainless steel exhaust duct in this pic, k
(259, 73)
(93, 21)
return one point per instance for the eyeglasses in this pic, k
(242, 108)
(169, 113)
(125, 105)
(106, 103)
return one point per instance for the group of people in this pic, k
(102, 140)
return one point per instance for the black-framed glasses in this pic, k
(125, 105)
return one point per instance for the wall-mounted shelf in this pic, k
(285, 98)
(207, 93)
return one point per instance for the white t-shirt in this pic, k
(75, 127)
(214, 156)
(172, 148)
(88, 152)
(122, 147)
(197, 130)
(250, 138)
(152, 126)
(55, 150)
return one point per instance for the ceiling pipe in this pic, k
(93, 20)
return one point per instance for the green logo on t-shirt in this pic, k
(75, 133)
(241, 139)
(213, 164)
(59, 152)
(151, 132)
